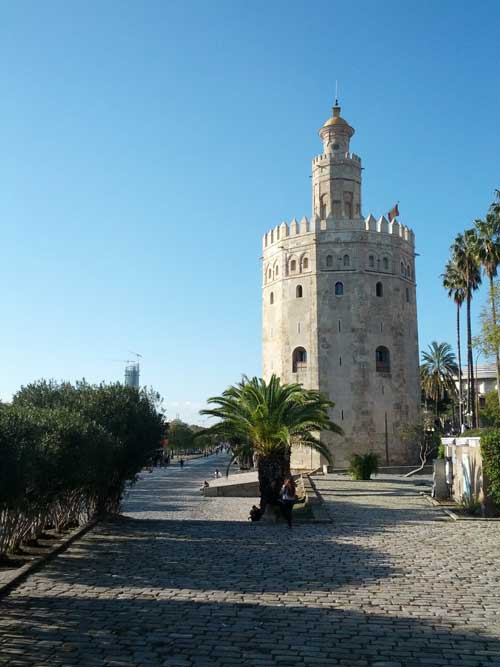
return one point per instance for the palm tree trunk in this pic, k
(470, 366)
(460, 404)
(494, 318)
(272, 473)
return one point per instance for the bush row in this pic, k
(490, 453)
(67, 452)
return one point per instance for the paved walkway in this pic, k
(389, 583)
(174, 493)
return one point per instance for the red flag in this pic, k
(393, 213)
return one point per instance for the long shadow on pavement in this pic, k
(157, 632)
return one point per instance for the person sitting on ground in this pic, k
(255, 513)
(288, 499)
(205, 486)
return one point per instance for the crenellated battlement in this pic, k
(336, 157)
(370, 224)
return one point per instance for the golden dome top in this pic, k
(336, 119)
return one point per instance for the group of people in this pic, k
(283, 498)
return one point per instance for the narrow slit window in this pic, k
(346, 261)
(379, 289)
(271, 298)
(298, 292)
(329, 261)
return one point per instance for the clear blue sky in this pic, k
(145, 147)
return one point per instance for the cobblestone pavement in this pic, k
(390, 583)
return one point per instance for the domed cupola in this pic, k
(336, 132)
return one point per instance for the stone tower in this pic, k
(339, 309)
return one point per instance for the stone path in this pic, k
(390, 583)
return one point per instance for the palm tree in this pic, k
(495, 207)
(438, 372)
(464, 253)
(488, 254)
(454, 283)
(272, 417)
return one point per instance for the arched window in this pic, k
(407, 295)
(385, 263)
(305, 263)
(339, 289)
(379, 289)
(271, 298)
(276, 270)
(269, 274)
(299, 359)
(329, 261)
(382, 360)
(402, 269)
(298, 292)
(371, 261)
(408, 271)
(346, 260)
(293, 265)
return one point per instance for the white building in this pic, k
(339, 308)
(485, 380)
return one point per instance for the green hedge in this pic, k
(363, 466)
(67, 452)
(490, 453)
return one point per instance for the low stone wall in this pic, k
(243, 485)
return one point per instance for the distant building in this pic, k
(485, 380)
(132, 373)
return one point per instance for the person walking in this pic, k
(288, 498)
(181, 463)
(217, 474)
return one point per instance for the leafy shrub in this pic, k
(490, 414)
(441, 451)
(363, 466)
(470, 505)
(67, 452)
(490, 452)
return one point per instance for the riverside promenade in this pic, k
(185, 580)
